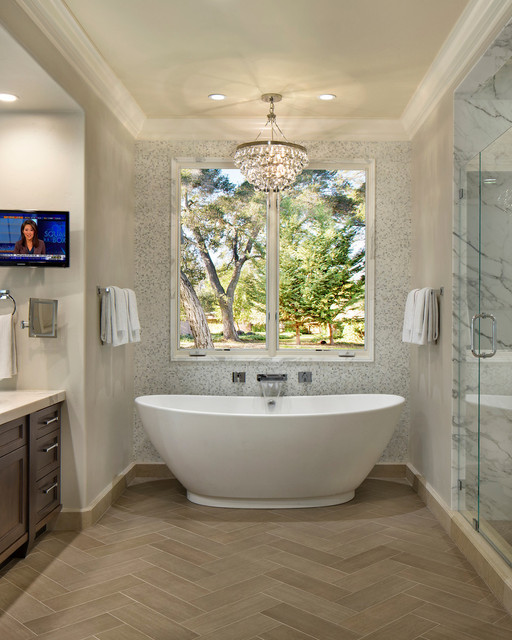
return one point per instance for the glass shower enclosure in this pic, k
(484, 351)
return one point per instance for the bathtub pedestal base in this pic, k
(270, 503)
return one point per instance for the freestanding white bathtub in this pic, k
(242, 451)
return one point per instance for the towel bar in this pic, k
(4, 294)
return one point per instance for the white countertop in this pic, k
(14, 404)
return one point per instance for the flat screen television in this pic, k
(52, 228)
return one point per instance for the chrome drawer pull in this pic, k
(47, 422)
(52, 446)
(51, 488)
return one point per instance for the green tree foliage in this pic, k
(321, 268)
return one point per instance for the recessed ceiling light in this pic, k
(217, 96)
(8, 97)
(327, 96)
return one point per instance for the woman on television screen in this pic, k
(29, 241)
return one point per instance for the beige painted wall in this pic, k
(98, 439)
(431, 365)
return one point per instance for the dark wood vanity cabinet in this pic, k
(29, 478)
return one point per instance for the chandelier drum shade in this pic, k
(271, 165)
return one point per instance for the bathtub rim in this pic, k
(400, 400)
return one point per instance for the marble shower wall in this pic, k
(389, 373)
(483, 281)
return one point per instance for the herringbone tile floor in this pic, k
(158, 567)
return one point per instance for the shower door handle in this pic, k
(485, 354)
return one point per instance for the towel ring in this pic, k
(4, 294)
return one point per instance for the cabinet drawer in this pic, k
(13, 435)
(44, 421)
(47, 495)
(46, 455)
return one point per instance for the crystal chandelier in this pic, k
(271, 165)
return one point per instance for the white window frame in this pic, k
(272, 352)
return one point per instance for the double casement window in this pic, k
(281, 275)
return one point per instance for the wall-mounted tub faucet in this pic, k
(305, 376)
(238, 376)
(271, 377)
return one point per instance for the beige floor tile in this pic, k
(210, 622)
(442, 633)
(483, 612)
(170, 582)
(162, 602)
(139, 541)
(456, 587)
(173, 564)
(152, 623)
(369, 575)
(305, 582)
(34, 583)
(366, 559)
(82, 629)
(11, 629)
(308, 567)
(184, 551)
(237, 591)
(381, 614)
(21, 605)
(409, 627)
(369, 596)
(326, 609)
(461, 623)
(283, 632)
(439, 568)
(243, 629)
(80, 596)
(122, 632)
(309, 624)
(55, 621)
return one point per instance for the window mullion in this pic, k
(272, 272)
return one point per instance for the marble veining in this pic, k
(482, 444)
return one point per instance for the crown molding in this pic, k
(57, 23)
(304, 129)
(480, 20)
(478, 23)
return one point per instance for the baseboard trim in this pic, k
(79, 519)
(489, 565)
(388, 470)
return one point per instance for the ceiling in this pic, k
(171, 54)
(23, 77)
(155, 62)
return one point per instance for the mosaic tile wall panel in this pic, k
(389, 373)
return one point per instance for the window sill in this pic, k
(229, 356)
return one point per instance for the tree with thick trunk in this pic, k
(220, 227)
(195, 314)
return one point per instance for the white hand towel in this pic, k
(419, 327)
(133, 317)
(8, 360)
(119, 317)
(409, 316)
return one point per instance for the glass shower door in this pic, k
(485, 447)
